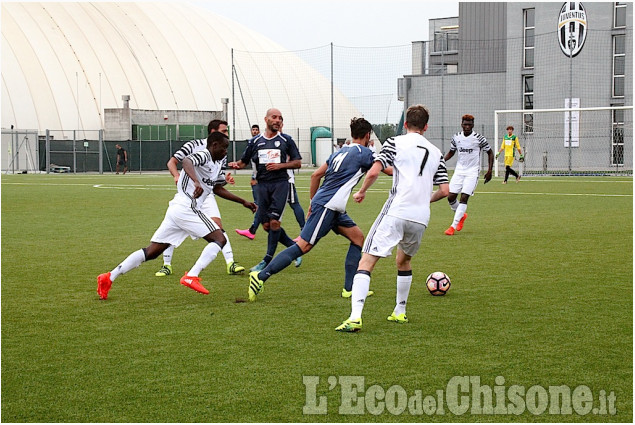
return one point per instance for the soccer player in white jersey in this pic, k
(417, 165)
(469, 145)
(341, 172)
(210, 207)
(184, 217)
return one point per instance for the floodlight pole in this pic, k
(570, 94)
(333, 139)
(233, 112)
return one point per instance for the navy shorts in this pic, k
(321, 221)
(272, 198)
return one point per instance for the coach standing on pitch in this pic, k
(273, 153)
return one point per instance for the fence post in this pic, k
(74, 154)
(101, 150)
(48, 151)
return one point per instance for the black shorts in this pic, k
(272, 198)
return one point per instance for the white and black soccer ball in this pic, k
(438, 283)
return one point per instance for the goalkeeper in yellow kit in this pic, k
(510, 141)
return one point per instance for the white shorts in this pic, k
(388, 232)
(180, 222)
(210, 207)
(463, 184)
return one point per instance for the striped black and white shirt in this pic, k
(469, 152)
(199, 145)
(208, 172)
(417, 166)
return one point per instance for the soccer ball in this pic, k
(438, 283)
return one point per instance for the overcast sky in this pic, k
(303, 24)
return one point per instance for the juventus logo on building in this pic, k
(572, 28)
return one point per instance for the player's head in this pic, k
(217, 143)
(118, 146)
(217, 125)
(467, 123)
(510, 129)
(417, 117)
(360, 130)
(255, 130)
(273, 119)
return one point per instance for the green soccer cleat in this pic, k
(166, 270)
(234, 268)
(348, 294)
(397, 318)
(255, 286)
(349, 325)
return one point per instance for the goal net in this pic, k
(569, 141)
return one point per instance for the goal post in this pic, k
(570, 141)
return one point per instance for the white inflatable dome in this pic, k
(64, 63)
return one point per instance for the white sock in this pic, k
(361, 284)
(454, 204)
(227, 250)
(207, 256)
(458, 215)
(132, 261)
(403, 289)
(167, 255)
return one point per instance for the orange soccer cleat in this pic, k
(103, 285)
(450, 231)
(459, 226)
(193, 282)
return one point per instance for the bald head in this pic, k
(273, 119)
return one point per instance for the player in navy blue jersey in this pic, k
(273, 153)
(341, 172)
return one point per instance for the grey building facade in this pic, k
(533, 56)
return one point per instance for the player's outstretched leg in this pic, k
(132, 261)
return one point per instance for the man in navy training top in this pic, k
(273, 153)
(341, 172)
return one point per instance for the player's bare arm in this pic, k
(490, 160)
(316, 178)
(442, 192)
(448, 155)
(172, 163)
(296, 163)
(188, 167)
(226, 194)
(237, 165)
(371, 177)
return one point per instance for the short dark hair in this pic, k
(215, 137)
(510, 127)
(256, 126)
(417, 116)
(467, 117)
(214, 125)
(360, 127)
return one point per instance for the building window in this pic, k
(617, 142)
(528, 37)
(619, 14)
(619, 60)
(445, 41)
(528, 103)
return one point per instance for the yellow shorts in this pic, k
(509, 161)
